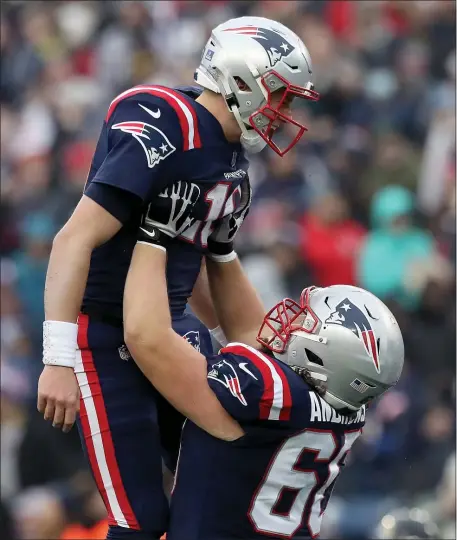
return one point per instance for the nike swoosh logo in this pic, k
(156, 114)
(151, 234)
(244, 368)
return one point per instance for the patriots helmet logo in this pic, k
(224, 373)
(351, 317)
(272, 41)
(155, 143)
(193, 338)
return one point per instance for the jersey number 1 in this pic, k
(220, 205)
(310, 489)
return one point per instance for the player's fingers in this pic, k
(49, 410)
(70, 417)
(59, 415)
(41, 403)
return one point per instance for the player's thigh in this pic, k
(119, 430)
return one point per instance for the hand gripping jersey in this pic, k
(276, 481)
(154, 137)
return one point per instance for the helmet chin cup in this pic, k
(253, 144)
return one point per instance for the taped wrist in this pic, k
(219, 248)
(223, 258)
(218, 334)
(154, 237)
(60, 341)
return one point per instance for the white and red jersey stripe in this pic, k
(276, 401)
(97, 434)
(186, 113)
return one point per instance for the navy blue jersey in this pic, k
(275, 482)
(153, 137)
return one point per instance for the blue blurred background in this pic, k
(367, 197)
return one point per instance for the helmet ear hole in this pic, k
(313, 358)
(242, 85)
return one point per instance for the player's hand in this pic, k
(58, 396)
(220, 241)
(169, 214)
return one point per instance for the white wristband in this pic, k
(60, 341)
(218, 334)
(223, 258)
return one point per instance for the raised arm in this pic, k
(173, 366)
(238, 307)
(202, 305)
(201, 301)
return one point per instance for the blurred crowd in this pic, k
(366, 198)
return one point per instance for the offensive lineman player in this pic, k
(161, 146)
(298, 387)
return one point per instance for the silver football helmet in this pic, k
(248, 59)
(343, 336)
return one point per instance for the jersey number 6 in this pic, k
(310, 489)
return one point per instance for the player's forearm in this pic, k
(238, 307)
(66, 278)
(201, 301)
(175, 368)
(179, 372)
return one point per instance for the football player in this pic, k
(159, 148)
(297, 381)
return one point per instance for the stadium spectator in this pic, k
(330, 241)
(396, 240)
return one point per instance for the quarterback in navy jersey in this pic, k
(296, 383)
(179, 154)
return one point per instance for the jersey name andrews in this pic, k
(146, 133)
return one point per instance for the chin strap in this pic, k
(251, 141)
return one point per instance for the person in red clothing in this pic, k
(330, 241)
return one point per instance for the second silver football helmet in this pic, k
(344, 337)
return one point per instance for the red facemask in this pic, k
(286, 317)
(265, 121)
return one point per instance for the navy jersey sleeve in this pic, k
(249, 384)
(143, 135)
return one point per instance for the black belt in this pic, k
(97, 314)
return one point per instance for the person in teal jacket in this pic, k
(392, 247)
(31, 262)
